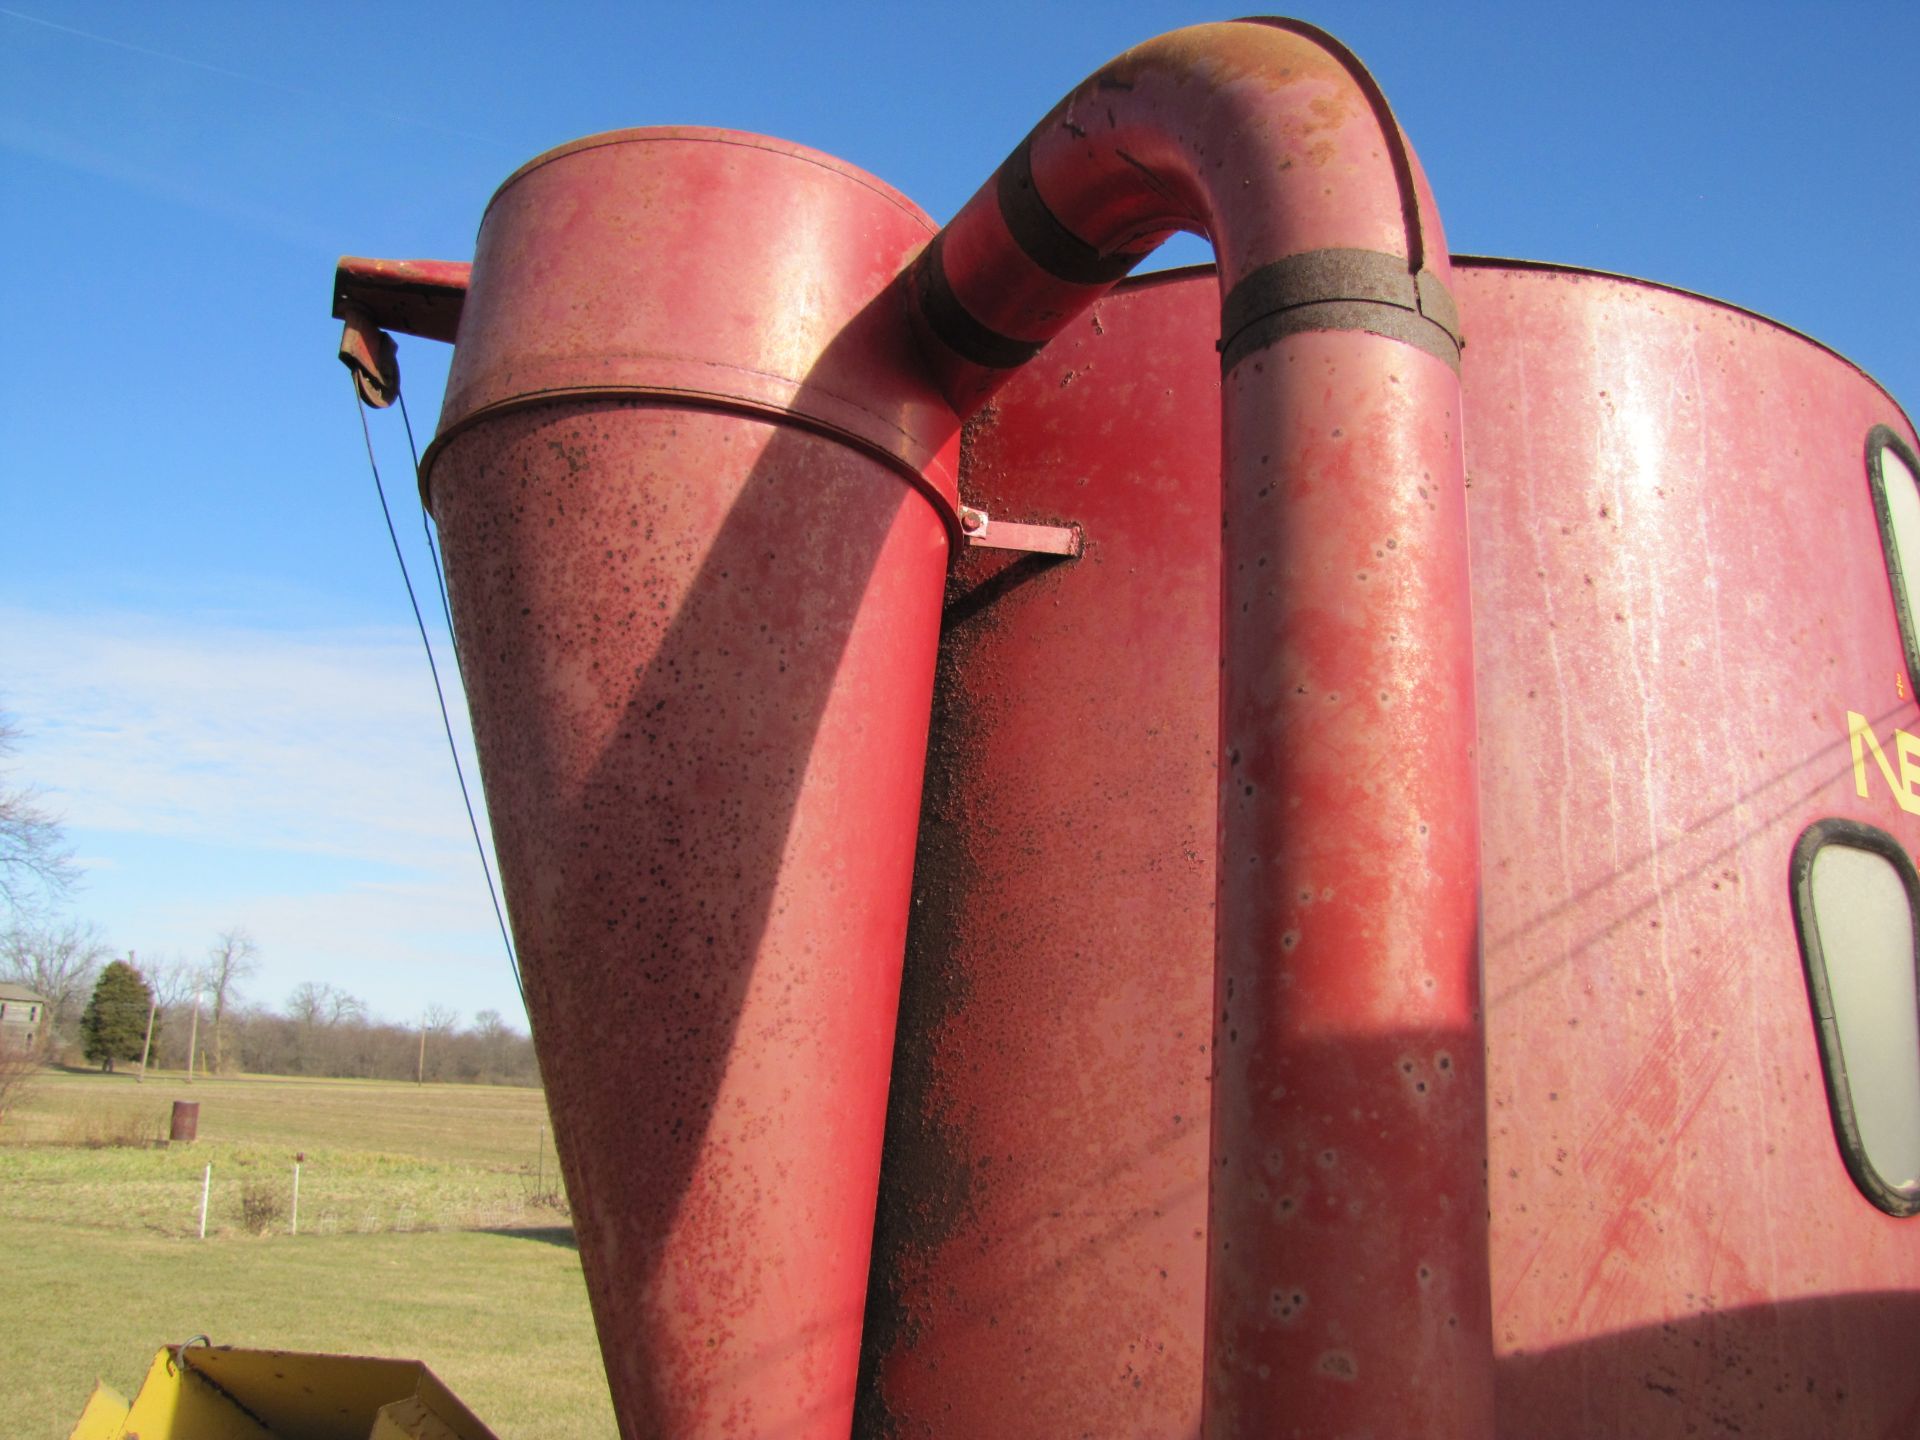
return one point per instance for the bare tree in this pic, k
(233, 957)
(345, 1009)
(437, 1021)
(35, 864)
(489, 1025)
(175, 982)
(278, 1041)
(176, 985)
(331, 1029)
(59, 962)
(312, 1004)
(307, 1005)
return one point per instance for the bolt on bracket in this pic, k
(985, 533)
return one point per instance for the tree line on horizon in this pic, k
(98, 1007)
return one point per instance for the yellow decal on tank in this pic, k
(1903, 781)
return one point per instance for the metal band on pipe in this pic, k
(1339, 290)
(954, 326)
(1039, 233)
(924, 479)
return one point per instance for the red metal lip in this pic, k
(714, 135)
(625, 309)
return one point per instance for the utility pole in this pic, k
(420, 1069)
(153, 1005)
(193, 1035)
(146, 1047)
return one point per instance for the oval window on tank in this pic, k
(1855, 897)
(1893, 474)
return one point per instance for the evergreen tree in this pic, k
(114, 1026)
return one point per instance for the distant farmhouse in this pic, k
(22, 1017)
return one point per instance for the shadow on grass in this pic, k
(561, 1235)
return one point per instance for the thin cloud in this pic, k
(310, 765)
(325, 743)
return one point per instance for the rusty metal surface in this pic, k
(371, 358)
(415, 297)
(1339, 289)
(699, 640)
(183, 1122)
(1347, 1225)
(1679, 596)
(1346, 961)
(1041, 1268)
(1068, 1168)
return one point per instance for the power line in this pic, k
(439, 693)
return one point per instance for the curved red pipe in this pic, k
(1347, 1272)
(1265, 136)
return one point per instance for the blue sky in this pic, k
(202, 631)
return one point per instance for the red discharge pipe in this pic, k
(1347, 1271)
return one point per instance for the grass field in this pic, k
(428, 1229)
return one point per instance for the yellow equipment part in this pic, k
(206, 1392)
(105, 1416)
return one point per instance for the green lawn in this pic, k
(477, 1124)
(424, 1234)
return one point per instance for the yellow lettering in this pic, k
(1905, 783)
(1908, 749)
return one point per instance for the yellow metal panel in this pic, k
(300, 1396)
(176, 1404)
(105, 1417)
(410, 1420)
(221, 1393)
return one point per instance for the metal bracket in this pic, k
(983, 532)
(368, 351)
(415, 297)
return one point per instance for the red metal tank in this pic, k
(1680, 599)
(695, 536)
(1679, 596)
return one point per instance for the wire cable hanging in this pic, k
(439, 693)
(426, 528)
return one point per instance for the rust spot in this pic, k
(1339, 1365)
(1286, 1305)
(1334, 109)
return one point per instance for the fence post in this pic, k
(296, 1192)
(206, 1188)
